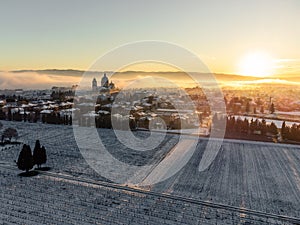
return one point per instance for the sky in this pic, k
(65, 34)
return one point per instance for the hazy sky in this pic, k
(72, 34)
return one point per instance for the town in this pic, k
(250, 114)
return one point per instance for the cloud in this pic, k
(49, 78)
(263, 81)
(287, 60)
(33, 80)
(287, 65)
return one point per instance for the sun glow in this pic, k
(258, 64)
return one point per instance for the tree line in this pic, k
(291, 133)
(238, 125)
(255, 126)
(244, 127)
(50, 118)
(56, 118)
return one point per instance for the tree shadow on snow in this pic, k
(28, 174)
(47, 168)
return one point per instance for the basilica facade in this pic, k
(105, 86)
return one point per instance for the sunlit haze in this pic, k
(259, 64)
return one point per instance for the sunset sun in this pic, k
(259, 64)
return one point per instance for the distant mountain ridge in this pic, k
(221, 77)
(72, 72)
(66, 72)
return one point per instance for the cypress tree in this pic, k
(39, 154)
(43, 155)
(284, 131)
(272, 108)
(25, 160)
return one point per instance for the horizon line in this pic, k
(142, 71)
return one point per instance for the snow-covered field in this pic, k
(64, 155)
(256, 176)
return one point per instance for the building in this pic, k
(94, 85)
(106, 86)
(104, 81)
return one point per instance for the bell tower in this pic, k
(94, 84)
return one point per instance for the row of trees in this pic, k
(27, 160)
(253, 127)
(259, 127)
(237, 125)
(17, 116)
(104, 121)
(56, 118)
(51, 118)
(290, 133)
